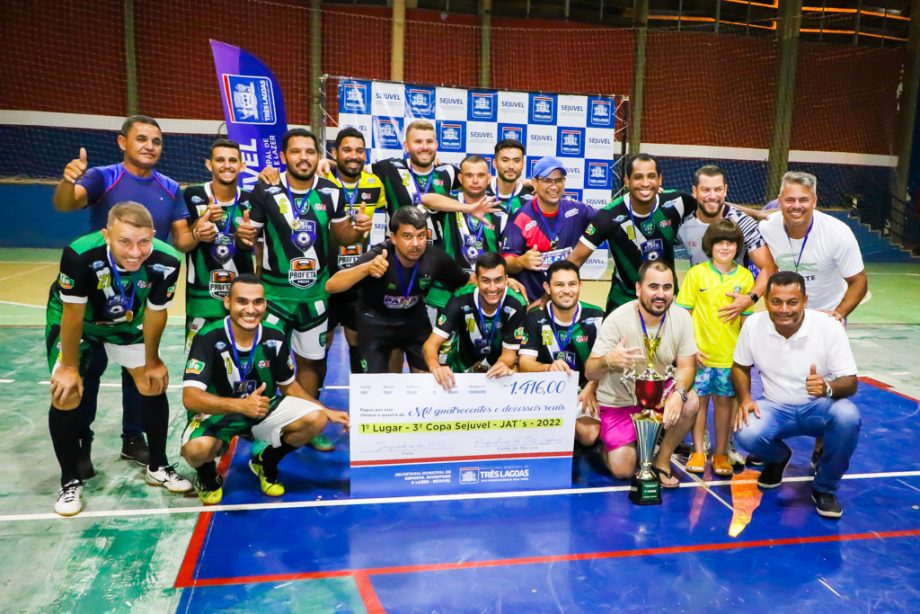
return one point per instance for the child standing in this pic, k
(708, 287)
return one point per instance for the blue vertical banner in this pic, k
(253, 108)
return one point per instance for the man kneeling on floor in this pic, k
(620, 346)
(233, 370)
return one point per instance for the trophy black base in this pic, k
(645, 492)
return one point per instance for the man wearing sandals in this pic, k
(620, 346)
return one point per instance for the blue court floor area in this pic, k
(713, 544)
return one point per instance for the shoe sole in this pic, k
(128, 457)
(322, 448)
(825, 513)
(173, 490)
(258, 474)
(68, 515)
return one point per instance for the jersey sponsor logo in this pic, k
(220, 346)
(96, 265)
(170, 291)
(349, 255)
(273, 190)
(391, 301)
(546, 335)
(264, 364)
(581, 339)
(519, 332)
(166, 271)
(509, 310)
(442, 319)
(595, 321)
(671, 203)
(590, 230)
(142, 283)
(251, 97)
(530, 225)
(598, 174)
(354, 97)
(664, 224)
(274, 344)
(219, 283)
(194, 367)
(65, 282)
(290, 362)
(620, 219)
(197, 200)
(303, 272)
(571, 213)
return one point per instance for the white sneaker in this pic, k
(70, 499)
(168, 479)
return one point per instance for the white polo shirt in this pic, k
(830, 255)
(784, 364)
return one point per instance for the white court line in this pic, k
(22, 305)
(824, 583)
(702, 483)
(7, 381)
(21, 273)
(45, 382)
(246, 507)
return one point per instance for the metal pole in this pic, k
(906, 123)
(485, 43)
(133, 104)
(640, 21)
(397, 55)
(317, 121)
(788, 29)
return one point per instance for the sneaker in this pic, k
(826, 504)
(70, 499)
(696, 463)
(168, 479)
(85, 469)
(721, 466)
(210, 497)
(754, 461)
(733, 457)
(321, 443)
(772, 474)
(272, 489)
(135, 448)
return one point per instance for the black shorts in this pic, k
(343, 309)
(379, 336)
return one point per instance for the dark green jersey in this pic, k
(466, 237)
(548, 340)
(210, 267)
(479, 338)
(214, 366)
(633, 239)
(296, 234)
(115, 299)
(405, 187)
(510, 203)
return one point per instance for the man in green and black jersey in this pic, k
(295, 219)
(639, 226)
(507, 186)
(486, 323)
(559, 337)
(233, 370)
(363, 193)
(224, 238)
(392, 280)
(112, 291)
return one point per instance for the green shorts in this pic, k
(223, 427)
(304, 323)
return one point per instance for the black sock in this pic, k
(207, 473)
(271, 457)
(156, 421)
(354, 359)
(65, 428)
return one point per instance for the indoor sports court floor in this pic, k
(712, 544)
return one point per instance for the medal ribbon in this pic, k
(496, 324)
(243, 368)
(418, 189)
(632, 219)
(127, 302)
(649, 342)
(406, 289)
(551, 233)
(804, 241)
(552, 324)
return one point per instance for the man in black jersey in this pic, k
(224, 238)
(233, 370)
(112, 292)
(507, 186)
(392, 279)
(486, 322)
(559, 336)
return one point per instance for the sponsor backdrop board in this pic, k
(577, 129)
(410, 437)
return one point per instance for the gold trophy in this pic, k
(645, 489)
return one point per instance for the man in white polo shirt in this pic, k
(808, 372)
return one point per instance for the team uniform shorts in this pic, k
(306, 323)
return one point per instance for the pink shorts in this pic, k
(617, 429)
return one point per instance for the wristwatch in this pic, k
(684, 395)
(754, 297)
(829, 393)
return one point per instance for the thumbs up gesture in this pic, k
(256, 404)
(76, 167)
(814, 383)
(246, 233)
(204, 229)
(379, 265)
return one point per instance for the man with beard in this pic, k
(622, 343)
(295, 219)
(640, 226)
(808, 373)
(486, 319)
(233, 370)
(710, 191)
(559, 337)
(111, 293)
(364, 193)
(392, 279)
(224, 237)
(545, 229)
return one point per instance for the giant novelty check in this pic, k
(410, 437)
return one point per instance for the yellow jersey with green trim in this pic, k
(704, 291)
(366, 196)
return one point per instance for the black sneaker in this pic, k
(827, 505)
(135, 448)
(772, 474)
(85, 469)
(754, 461)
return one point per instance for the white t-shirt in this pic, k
(676, 341)
(831, 254)
(784, 364)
